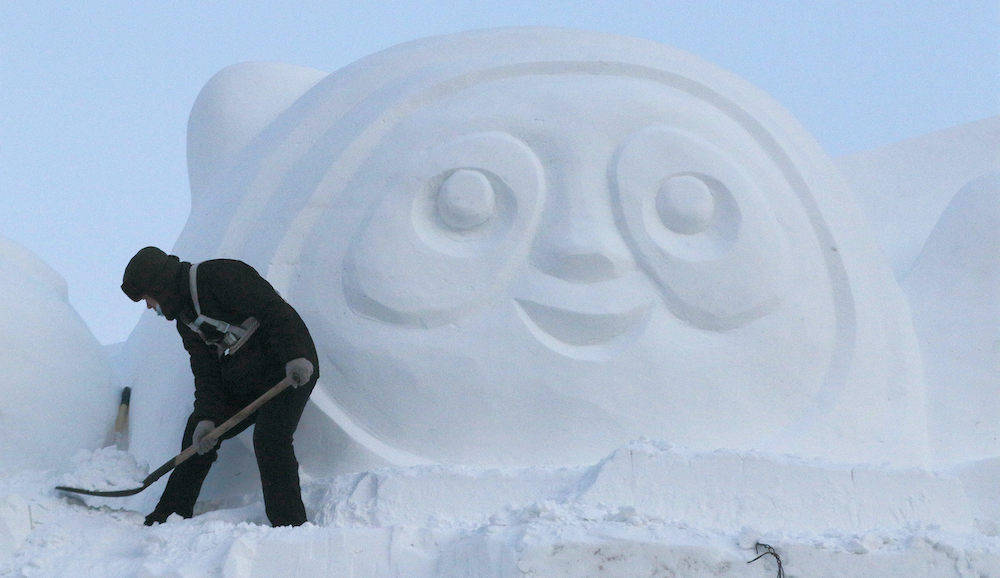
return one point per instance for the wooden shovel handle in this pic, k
(231, 422)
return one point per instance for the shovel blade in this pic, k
(106, 494)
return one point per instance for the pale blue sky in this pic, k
(94, 96)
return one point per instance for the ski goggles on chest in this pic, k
(226, 338)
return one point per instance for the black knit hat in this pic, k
(150, 272)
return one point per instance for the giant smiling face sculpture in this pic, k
(524, 246)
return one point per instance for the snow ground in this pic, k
(648, 509)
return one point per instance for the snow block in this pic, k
(550, 551)
(419, 495)
(647, 509)
(720, 490)
(725, 491)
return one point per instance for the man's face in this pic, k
(152, 303)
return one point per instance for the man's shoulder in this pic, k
(222, 262)
(224, 268)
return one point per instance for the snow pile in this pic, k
(105, 469)
(56, 382)
(933, 202)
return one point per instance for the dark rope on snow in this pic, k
(768, 550)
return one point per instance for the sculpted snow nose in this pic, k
(580, 265)
(584, 289)
(578, 247)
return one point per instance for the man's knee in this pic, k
(276, 422)
(272, 440)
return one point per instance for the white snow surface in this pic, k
(647, 509)
(58, 391)
(905, 187)
(954, 288)
(585, 305)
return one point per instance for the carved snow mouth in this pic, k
(581, 328)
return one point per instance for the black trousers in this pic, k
(272, 443)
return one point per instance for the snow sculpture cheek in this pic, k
(446, 242)
(700, 227)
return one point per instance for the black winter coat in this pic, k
(231, 291)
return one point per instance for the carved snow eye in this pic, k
(465, 200)
(456, 221)
(700, 227)
(686, 203)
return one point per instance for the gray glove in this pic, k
(200, 438)
(299, 371)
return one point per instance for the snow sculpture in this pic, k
(57, 390)
(953, 289)
(529, 246)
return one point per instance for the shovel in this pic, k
(190, 451)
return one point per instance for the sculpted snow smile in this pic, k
(576, 327)
(592, 303)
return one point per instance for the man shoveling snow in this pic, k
(242, 338)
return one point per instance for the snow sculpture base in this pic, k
(644, 510)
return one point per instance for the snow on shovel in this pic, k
(190, 451)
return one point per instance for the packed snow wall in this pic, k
(954, 288)
(530, 246)
(58, 393)
(933, 200)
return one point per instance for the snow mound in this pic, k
(56, 381)
(106, 469)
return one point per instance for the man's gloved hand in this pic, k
(299, 371)
(200, 437)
